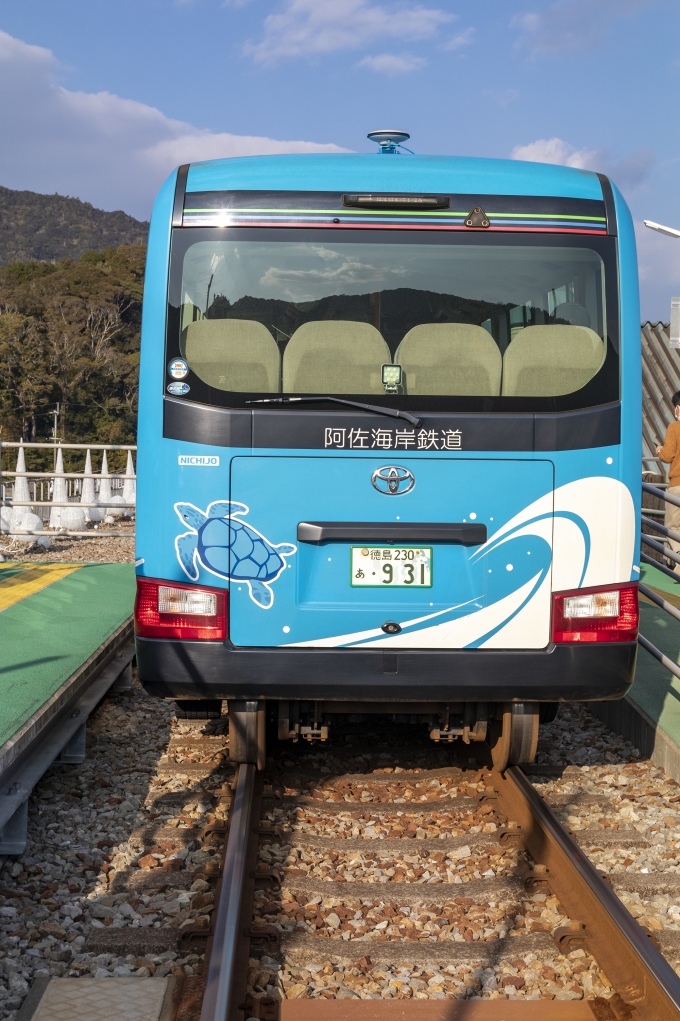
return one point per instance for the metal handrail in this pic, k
(658, 654)
(221, 969)
(66, 533)
(668, 532)
(660, 601)
(67, 446)
(660, 548)
(71, 503)
(660, 567)
(671, 555)
(655, 491)
(65, 475)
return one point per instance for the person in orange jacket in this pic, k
(670, 454)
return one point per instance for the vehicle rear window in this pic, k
(420, 318)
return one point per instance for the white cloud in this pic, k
(462, 39)
(628, 173)
(107, 150)
(570, 26)
(392, 64)
(306, 28)
(554, 150)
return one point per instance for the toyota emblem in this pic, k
(393, 480)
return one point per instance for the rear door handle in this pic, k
(461, 533)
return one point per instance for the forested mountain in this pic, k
(47, 228)
(69, 333)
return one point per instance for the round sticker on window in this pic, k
(178, 368)
(178, 389)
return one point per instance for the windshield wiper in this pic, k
(390, 412)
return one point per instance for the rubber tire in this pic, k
(198, 709)
(514, 738)
(247, 732)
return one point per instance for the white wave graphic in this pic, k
(590, 526)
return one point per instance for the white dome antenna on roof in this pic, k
(390, 141)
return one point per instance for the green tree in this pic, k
(70, 334)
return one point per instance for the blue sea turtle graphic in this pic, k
(230, 548)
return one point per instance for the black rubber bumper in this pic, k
(176, 669)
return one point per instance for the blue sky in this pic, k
(102, 99)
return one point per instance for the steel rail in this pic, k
(638, 971)
(221, 977)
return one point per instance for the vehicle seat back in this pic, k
(450, 358)
(233, 354)
(545, 361)
(335, 356)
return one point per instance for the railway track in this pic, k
(340, 886)
(368, 919)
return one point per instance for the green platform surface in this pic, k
(46, 637)
(655, 689)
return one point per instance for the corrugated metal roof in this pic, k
(660, 379)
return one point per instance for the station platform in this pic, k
(65, 637)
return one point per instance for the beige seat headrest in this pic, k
(233, 354)
(335, 356)
(450, 359)
(546, 361)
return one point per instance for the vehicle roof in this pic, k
(400, 172)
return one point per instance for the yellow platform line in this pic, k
(18, 584)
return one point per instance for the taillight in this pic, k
(169, 609)
(606, 614)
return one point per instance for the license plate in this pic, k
(391, 566)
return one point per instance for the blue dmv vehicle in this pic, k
(389, 444)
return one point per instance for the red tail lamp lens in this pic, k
(607, 614)
(168, 609)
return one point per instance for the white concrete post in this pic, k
(130, 485)
(105, 488)
(23, 518)
(87, 493)
(59, 493)
(64, 517)
(21, 490)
